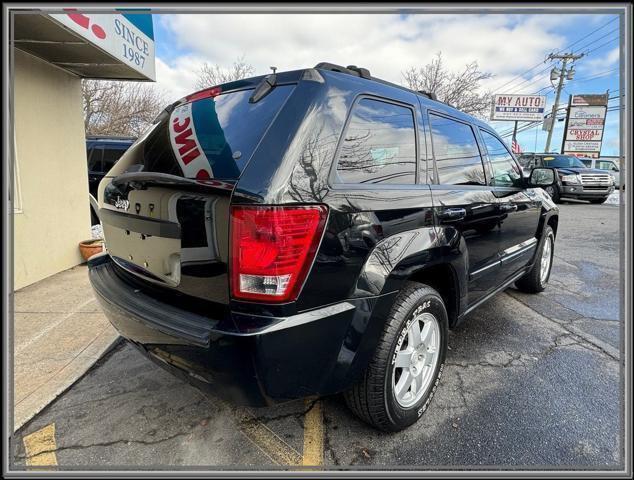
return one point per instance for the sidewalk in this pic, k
(59, 333)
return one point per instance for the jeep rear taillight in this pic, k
(272, 249)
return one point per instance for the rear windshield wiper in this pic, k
(264, 88)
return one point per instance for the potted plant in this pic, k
(91, 247)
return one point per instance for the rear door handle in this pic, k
(508, 207)
(452, 214)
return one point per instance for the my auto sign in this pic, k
(529, 108)
(584, 125)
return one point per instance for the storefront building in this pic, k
(51, 54)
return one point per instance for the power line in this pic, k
(521, 75)
(586, 36)
(598, 75)
(602, 45)
(597, 39)
(592, 77)
(541, 77)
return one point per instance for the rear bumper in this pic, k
(319, 352)
(584, 192)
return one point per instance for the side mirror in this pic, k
(542, 177)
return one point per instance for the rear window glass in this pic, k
(208, 138)
(379, 145)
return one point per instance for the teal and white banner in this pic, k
(129, 37)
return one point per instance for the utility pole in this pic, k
(554, 74)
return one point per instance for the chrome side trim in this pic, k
(519, 249)
(508, 254)
(477, 272)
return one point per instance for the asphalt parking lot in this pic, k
(530, 381)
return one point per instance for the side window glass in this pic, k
(456, 152)
(379, 145)
(95, 156)
(506, 173)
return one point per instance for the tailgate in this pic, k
(170, 235)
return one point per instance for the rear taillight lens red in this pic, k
(272, 249)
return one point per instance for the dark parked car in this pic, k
(313, 232)
(102, 153)
(575, 180)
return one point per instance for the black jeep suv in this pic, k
(575, 179)
(313, 232)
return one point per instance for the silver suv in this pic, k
(607, 165)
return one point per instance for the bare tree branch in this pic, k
(211, 75)
(459, 89)
(118, 107)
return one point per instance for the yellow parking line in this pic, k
(40, 447)
(280, 452)
(313, 436)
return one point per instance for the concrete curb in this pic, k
(65, 378)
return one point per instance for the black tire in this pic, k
(554, 193)
(598, 200)
(373, 399)
(532, 282)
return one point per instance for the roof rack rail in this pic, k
(350, 69)
(430, 95)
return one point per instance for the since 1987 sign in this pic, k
(522, 108)
(127, 36)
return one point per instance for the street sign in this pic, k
(522, 108)
(585, 122)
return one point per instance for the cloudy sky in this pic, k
(511, 47)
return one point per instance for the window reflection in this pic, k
(223, 130)
(378, 145)
(506, 173)
(456, 152)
